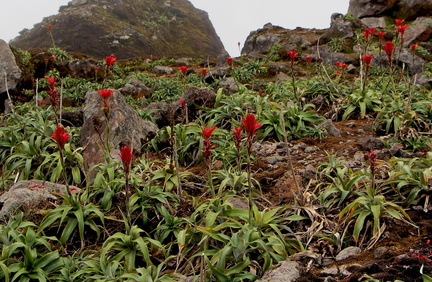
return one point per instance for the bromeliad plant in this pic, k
(373, 206)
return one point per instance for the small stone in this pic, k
(287, 271)
(359, 156)
(330, 271)
(310, 149)
(347, 253)
(380, 252)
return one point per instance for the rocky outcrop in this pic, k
(195, 99)
(405, 9)
(126, 28)
(125, 128)
(9, 70)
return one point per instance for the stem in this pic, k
(249, 172)
(289, 157)
(64, 170)
(210, 176)
(176, 164)
(7, 92)
(128, 215)
(293, 81)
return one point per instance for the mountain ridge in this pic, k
(126, 28)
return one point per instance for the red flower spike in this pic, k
(183, 69)
(105, 93)
(182, 103)
(414, 47)
(230, 61)
(292, 54)
(388, 48)
(381, 34)
(207, 145)
(399, 22)
(49, 27)
(238, 135)
(250, 124)
(51, 81)
(341, 65)
(126, 155)
(367, 59)
(203, 72)
(368, 32)
(309, 59)
(207, 131)
(401, 29)
(60, 136)
(110, 60)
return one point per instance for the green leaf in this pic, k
(359, 224)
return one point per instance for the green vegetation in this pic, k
(197, 205)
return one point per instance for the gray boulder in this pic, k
(10, 69)
(403, 9)
(419, 31)
(163, 70)
(171, 113)
(374, 22)
(126, 127)
(369, 8)
(85, 68)
(261, 40)
(135, 87)
(340, 28)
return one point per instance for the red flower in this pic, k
(230, 61)
(341, 65)
(207, 145)
(368, 32)
(388, 48)
(367, 59)
(60, 136)
(309, 59)
(49, 27)
(203, 72)
(126, 155)
(261, 92)
(110, 60)
(399, 22)
(42, 103)
(292, 54)
(381, 34)
(95, 68)
(372, 156)
(52, 92)
(207, 131)
(51, 81)
(414, 46)
(250, 124)
(105, 93)
(182, 103)
(183, 69)
(401, 29)
(238, 135)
